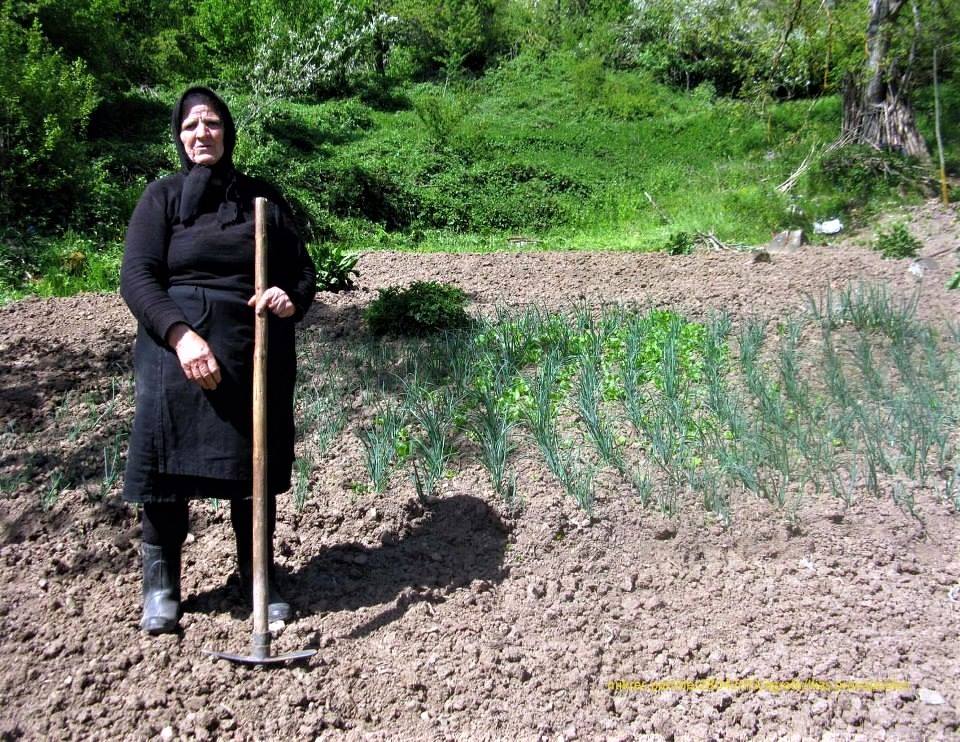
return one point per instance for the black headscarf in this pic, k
(199, 177)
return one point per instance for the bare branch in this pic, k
(786, 34)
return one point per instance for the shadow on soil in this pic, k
(458, 540)
(37, 370)
(336, 321)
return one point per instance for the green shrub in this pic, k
(896, 242)
(732, 44)
(359, 189)
(637, 96)
(442, 117)
(498, 195)
(335, 266)
(679, 243)
(447, 37)
(19, 259)
(861, 173)
(422, 308)
(343, 120)
(45, 103)
(73, 263)
(588, 77)
(57, 266)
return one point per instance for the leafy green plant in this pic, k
(421, 308)
(897, 242)
(336, 266)
(645, 340)
(679, 243)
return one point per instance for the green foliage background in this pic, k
(448, 124)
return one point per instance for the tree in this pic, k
(45, 104)
(448, 36)
(877, 110)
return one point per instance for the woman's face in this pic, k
(202, 134)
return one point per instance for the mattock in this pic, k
(260, 648)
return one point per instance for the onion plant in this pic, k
(324, 410)
(589, 411)
(542, 417)
(707, 482)
(577, 477)
(492, 427)
(951, 489)
(780, 417)
(511, 337)
(432, 412)
(380, 443)
(302, 466)
(51, 492)
(870, 306)
(111, 464)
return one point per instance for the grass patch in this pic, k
(610, 160)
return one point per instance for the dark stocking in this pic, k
(165, 523)
(241, 516)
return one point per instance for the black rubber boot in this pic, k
(161, 588)
(278, 609)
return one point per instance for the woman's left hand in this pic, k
(276, 300)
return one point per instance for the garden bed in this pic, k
(459, 612)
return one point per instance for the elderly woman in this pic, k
(188, 278)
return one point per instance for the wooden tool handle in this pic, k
(260, 551)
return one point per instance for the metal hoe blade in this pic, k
(260, 654)
(260, 651)
(245, 659)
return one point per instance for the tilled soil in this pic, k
(459, 619)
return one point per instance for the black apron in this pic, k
(191, 442)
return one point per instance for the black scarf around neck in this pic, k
(195, 186)
(200, 178)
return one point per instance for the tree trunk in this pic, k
(878, 112)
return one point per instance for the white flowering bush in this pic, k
(291, 61)
(739, 45)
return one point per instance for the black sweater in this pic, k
(161, 252)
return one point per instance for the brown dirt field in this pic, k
(458, 619)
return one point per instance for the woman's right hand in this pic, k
(196, 358)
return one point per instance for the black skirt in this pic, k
(188, 442)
